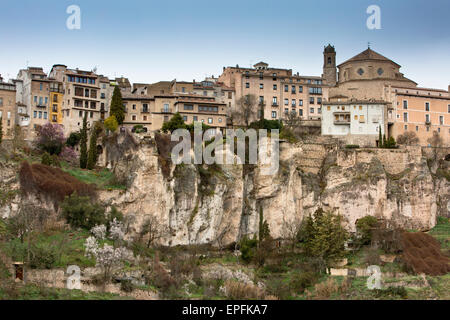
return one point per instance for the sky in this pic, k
(149, 41)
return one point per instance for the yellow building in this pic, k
(56, 101)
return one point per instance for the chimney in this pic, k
(1, 79)
(193, 81)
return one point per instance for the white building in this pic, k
(355, 121)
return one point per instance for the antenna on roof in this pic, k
(94, 70)
(368, 44)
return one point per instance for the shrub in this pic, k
(267, 124)
(138, 128)
(43, 257)
(408, 138)
(352, 146)
(46, 159)
(79, 212)
(50, 138)
(248, 248)
(111, 124)
(324, 236)
(364, 227)
(235, 290)
(302, 281)
(176, 122)
(51, 182)
(73, 139)
(288, 135)
(69, 155)
(325, 289)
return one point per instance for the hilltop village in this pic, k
(92, 205)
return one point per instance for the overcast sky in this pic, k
(149, 41)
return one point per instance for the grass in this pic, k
(35, 292)
(68, 247)
(102, 178)
(441, 232)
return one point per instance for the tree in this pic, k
(408, 138)
(111, 123)
(83, 144)
(117, 108)
(324, 236)
(79, 212)
(18, 142)
(384, 141)
(380, 138)
(152, 230)
(246, 109)
(50, 138)
(176, 122)
(73, 139)
(364, 227)
(436, 143)
(92, 155)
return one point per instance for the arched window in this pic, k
(329, 60)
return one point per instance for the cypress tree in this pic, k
(117, 108)
(92, 156)
(83, 144)
(384, 141)
(380, 138)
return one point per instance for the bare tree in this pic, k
(152, 230)
(409, 138)
(246, 110)
(290, 230)
(436, 144)
(292, 120)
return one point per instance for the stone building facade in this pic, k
(7, 108)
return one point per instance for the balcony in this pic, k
(166, 110)
(275, 104)
(145, 110)
(41, 105)
(342, 122)
(342, 118)
(428, 122)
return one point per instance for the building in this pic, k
(420, 110)
(7, 108)
(32, 96)
(81, 96)
(370, 76)
(56, 102)
(358, 121)
(278, 91)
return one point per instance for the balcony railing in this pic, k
(166, 110)
(341, 122)
(275, 104)
(144, 110)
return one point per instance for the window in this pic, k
(45, 115)
(427, 118)
(406, 127)
(247, 85)
(405, 117)
(427, 106)
(205, 93)
(183, 89)
(311, 110)
(448, 108)
(300, 89)
(145, 118)
(300, 102)
(55, 108)
(54, 119)
(328, 108)
(133, 117)
(286, 102)
(40, 114)
(40, 86)
(80, 114)
(220, 120)
(274, 101)
(286, 88)
(319, 100)
(261, 86)
(380, 71)
(311, 100)
(1, 102)
(35, 114)
(274, 87)
(360, 71)
(35, 99)
(293, 102)
(286, 110)
(405, 104)
(230, 95)
(261, 99)
(210, 120)
(441, 120)
(300, 112)
(293, 90)
(319, 110)
(315, 90)
(361, 119)
(91, 114)
(166, 107)
(274, 114)
(86, 93)
(46, 100)
(134, 107)
(417, 128)
(294, 112)
(188, 107)
(185, 118)
(360, 107)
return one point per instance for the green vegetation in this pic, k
(83, 144)
(79, 212)
(102, 178)
(111, 124)
(92, 155)
(117, 107)
(441, 232)
(73, 139)
(364, 226)
(176, 122)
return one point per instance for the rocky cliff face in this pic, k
(220, 204)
